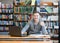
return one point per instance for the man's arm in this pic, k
(44, 31)
(25, 28)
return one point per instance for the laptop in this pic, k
(15, 31)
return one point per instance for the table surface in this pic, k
(10, 39)
(30, 36)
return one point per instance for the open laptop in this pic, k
(15, 31)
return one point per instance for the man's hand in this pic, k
(24, 33)
(42, 24)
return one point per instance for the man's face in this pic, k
(36, 16)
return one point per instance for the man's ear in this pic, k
(42, 23)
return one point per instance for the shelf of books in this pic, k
(6, 16)
(22, 10)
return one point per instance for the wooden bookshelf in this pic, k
(6, 12)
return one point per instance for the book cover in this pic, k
(11, 16)
(6, 28)
(55, 10)
(1, 28)
(0, 11)
(16, 24)
(49, 9)
(38, 2)
(0, 22)
(10, 22)
(27, 2)
(43, 10)
(21, 9)
(33, 2)
(16, 10)
(0, 16)
(38, 9)
(0, 4)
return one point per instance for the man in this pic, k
(35, 26)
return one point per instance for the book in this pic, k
(11, 16)
(0, 11)
(33, 2)
(55, 3)
(0, 16)
(16, 9)
(5, 22)
(0, 22)
(27, 2)
(10, 23)
(16, 24)
(38, 2)
(43, 10)
(49, 9)
(59, 2)
(1, 28)
(55, 10)
(0, 4)
(38, 9)
(6, 28)
(3, 10)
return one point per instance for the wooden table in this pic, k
(28, 39)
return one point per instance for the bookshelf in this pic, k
(6, 16)
(22, 10)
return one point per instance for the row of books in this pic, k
(6, 5)
(6, 16)
(6, 10)
(50, 18)
(22, 24)
(4, 28)
(20, 17)
(47, 9)
(50, 24)
(38, 2)
(6, 22)
(55, 31)
(24, 9)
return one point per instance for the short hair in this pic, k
(36, 12)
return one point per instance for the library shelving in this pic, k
(6, 16)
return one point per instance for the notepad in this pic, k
(39, 35)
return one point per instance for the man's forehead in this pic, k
(36, 14)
